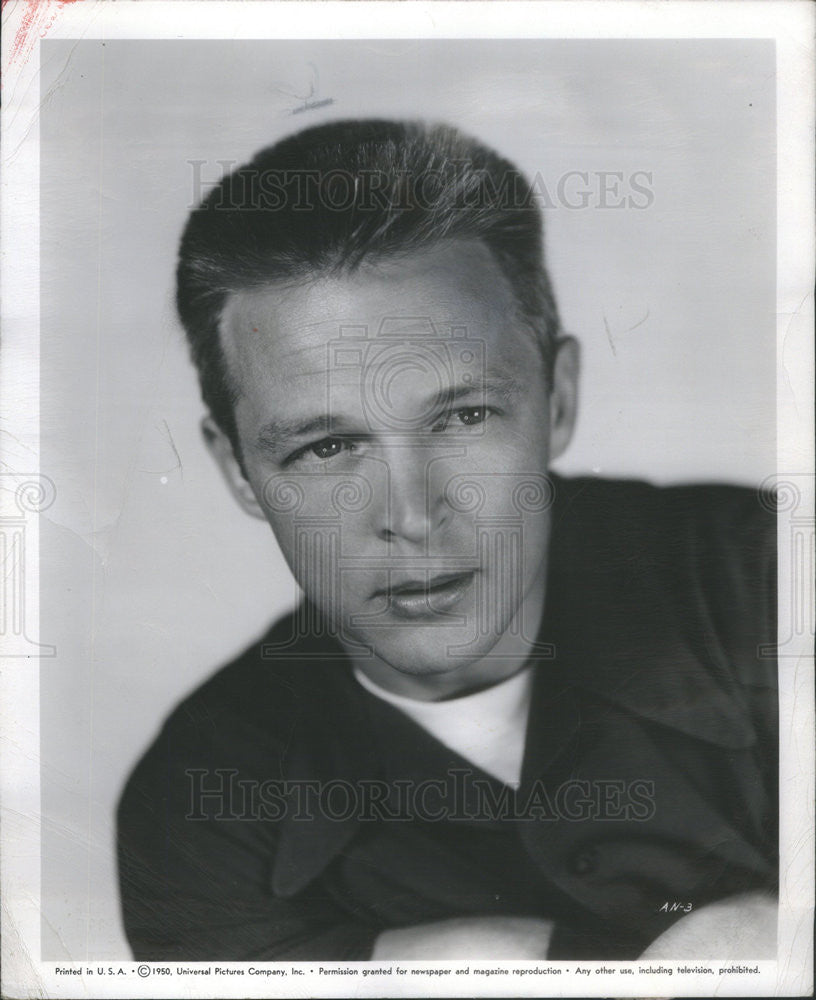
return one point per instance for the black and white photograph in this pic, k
(408, 500)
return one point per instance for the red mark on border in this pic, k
(37, 18)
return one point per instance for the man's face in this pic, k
(396, 429)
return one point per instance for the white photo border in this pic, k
(790, 24)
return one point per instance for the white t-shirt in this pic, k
(487, 728)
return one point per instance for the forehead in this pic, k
(282, 339)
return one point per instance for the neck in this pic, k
(509, 655)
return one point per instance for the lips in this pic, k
(427, 596)
(426, 584)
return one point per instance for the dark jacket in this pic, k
(648, 785)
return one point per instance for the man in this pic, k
(516, 716)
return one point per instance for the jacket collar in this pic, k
(330, 742)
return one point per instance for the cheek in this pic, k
(319, 537)
(286, 535)
(514, 523)
(283, 528)
(514, 443)
(536, 538)
(504, 476)
(312, 553)
(285, 503)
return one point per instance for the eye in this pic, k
(468, 416)
(324, 449)
(471, 415)
(327, 448)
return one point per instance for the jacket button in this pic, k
(583, 862)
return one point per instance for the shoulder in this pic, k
(715, 510)
(252, 690)
(702, 530)
(696, 561)
(242, 718)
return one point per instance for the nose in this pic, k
(414, 507)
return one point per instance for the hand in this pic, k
(738, 927)
(467, 937)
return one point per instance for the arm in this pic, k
(738, 927)
(509, 938)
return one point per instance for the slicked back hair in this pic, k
(329, 198)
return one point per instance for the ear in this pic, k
(564, 394)
(220, 447)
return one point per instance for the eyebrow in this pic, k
(499, 382)
(278, 433)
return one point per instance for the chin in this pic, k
(430, 651)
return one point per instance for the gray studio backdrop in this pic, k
(151, 577)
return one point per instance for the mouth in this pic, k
(417, 598)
